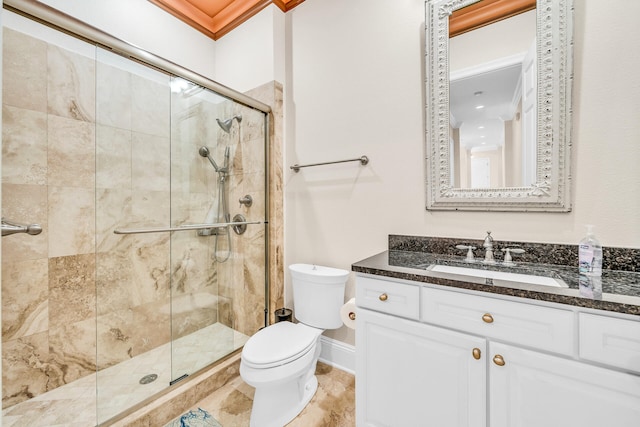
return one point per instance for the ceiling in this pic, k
(215, 18)
(480, 104)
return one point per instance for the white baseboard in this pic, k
(338, 354)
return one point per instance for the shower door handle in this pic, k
(12, 227)
(189, 227)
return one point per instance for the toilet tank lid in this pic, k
(318, 270)
(280, 342)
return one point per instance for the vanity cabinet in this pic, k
(412, 374)
(468, 359)
(533, 389)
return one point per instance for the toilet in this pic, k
(280, 360)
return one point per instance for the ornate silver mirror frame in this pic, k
(554, 58)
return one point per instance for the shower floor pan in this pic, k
(75, 404)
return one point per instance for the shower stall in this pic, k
(149, 185)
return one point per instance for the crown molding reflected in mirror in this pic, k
(486, 12)
(550, 127)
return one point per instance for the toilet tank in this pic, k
(318, 294)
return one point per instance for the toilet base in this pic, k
(278, 405)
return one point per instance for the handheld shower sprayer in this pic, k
(204, 152)
(226, 124)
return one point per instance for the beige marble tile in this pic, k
(25, 204)
(114, 282)
(113, 211)
(332, 405)
(24, 71)
(150, 106)
(113, 157)
(151, 326)
(124, 334)
(71, 153)
(25, 368)
(71, 84)
(72, 289)
(192, 312)
(150, 162)
(334, 402)
(72, 348)
(113, 95)
(272, 94)
(113, 338)
(25, 305)
(150, 257)
(24, 146)
(191, 269)
(71, 221)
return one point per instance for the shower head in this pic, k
(226, 124)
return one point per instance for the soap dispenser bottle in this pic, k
(590, 254)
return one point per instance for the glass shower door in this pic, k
(217, 275)
(132, 270)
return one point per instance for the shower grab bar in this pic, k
(363, 161)
(189, 227)
(12, 227)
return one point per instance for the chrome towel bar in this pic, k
(12, 227)
(183, 227)
(363, 161)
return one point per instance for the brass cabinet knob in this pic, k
(383, 297)
(476, 353)
(487, 318)
(498, 360)
(352, 315)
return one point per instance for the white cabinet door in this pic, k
(411, 374)
(532, 389)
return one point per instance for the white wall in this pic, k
(356, 87)
(141, 23)
(253, 53)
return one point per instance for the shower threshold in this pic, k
(100, 397)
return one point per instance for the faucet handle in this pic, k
(469, 250)
(488, 241)
(507, 255)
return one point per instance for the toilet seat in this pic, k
(279, 344)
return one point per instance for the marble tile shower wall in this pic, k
(87, 147)
(48, 177)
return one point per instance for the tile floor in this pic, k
(332, 406)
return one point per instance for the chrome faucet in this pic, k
(488, 246)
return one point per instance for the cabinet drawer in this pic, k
(614, 342)
(400, 299)
(530, 325)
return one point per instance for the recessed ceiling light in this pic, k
(480, 127)
(479, 107)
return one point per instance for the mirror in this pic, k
(498, 106)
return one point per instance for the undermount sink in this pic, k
(496, 277)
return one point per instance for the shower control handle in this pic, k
(10, 227)
(246, 200)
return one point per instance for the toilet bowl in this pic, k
(280, 360)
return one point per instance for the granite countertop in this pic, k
(616, 291)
